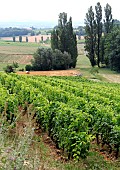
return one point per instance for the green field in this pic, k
(18, 48)
(13, 51)
(17, 52)
(22, 53)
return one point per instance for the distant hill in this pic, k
(27, 24)
(9, 32)
(39, 24)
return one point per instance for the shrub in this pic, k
(47, 59)
(42, 59)
(9, 69)
(21, 69)
(28, 67)
(61, 60)
(15, 65)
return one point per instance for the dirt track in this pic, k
(113, 78)
(53, 73)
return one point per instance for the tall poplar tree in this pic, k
(108, 21)
(108, 25)
(62, 31)
(98, 10)
(90, 39)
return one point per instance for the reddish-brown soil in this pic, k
(53, 73)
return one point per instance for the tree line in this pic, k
(10, 32)
(102, 37)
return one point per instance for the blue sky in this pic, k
(48, 10)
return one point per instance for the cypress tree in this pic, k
(108, 21)
(90, 39)
(13, 38)
(54, 39)
(71, 45)
(63, 38)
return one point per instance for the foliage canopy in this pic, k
(47, 59)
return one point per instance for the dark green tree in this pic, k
(108, 21)
(64, 39)
(48, 59)
(42, 59)
(71, 43)
(54, 39)
(35, 40)
(20, 38)
(108, 25)
(98, 10)
(62, 31)
(61, 60)
(15, 65)
(13, 38)
(102, 50)
(90, 38)
(28, 67)
(9, 69)
(112, 49)
(41, 38)
(26, 39)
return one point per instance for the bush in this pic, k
(9, 69)
(42, 59)
(15, 65)
(21, 69)
(28, 67)
(61, 60)
(47, 59)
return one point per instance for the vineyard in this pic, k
(72, 110)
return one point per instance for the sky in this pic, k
(48, 10)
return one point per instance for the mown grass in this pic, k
(11, 43)
(18, 48)
(3, 65)
(84, 66)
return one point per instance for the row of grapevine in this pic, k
(65, 125)
(72, 110)
(103, 108)
(8, 103)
